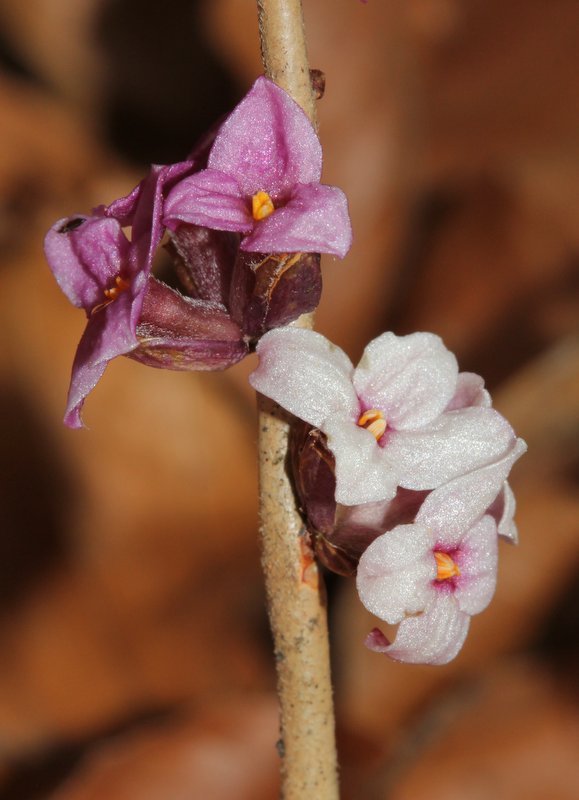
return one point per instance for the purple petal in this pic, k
(410, 378)
(108, 334)
(204, 260)
(147, 222)
(470, 391)
(477, 560)
(454, 444)
(433, 637)
(129, 210)
(396, 571)
(267, 143)
(85, 378)
(306, 374)
(364, 473)
(315, 219)
(181, 333)
(210, 198)
(85, 255)
(450, 510)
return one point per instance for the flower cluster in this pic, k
(401, 470)
(400, 464)
(244, 216)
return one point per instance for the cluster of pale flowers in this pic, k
(405, 418)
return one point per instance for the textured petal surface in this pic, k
(85, 377)
(434, 637)
(108, 334)
(363, 472)
(410, 378)
(456, 443)
(452, 509)
(306, 374)
(477, 561)
(503, 512)
(85, 254)
(396, 571)
(209, 198)
(314, 220)
(180, 333)
(267, 143)
(470, 391)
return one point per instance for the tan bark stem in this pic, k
(295, 591)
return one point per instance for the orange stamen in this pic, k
(121, 285)
(261, 205)
(445, 567)
(374, 421)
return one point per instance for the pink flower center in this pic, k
(261, 205)
(374, 421)
(445, 567)
(121, 285)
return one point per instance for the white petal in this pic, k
(477, 561)
(396, 571)
(363, 472)
(410, 378)
(456, 443)
(503, 511)
(451, 509)
(306, 374)
(470, 391)
(433, 637)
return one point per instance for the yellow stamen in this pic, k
(261, 205)
(374, 421)
(121, 285)
(445, 567)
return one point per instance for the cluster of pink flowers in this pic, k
(401, 463)
(258, 190)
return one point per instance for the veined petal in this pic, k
(107, 334)
(452, 508)
(477, 560)
(306, 374)
(210, 198)
(433, 637)
(85, 377)
(315, 219)
(396, 571)
(457, 442)
(182, 333)
(410, 378)
(267, 143)
(85, 254)
(363, 472)
(470, 391)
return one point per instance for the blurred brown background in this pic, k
(135, 660)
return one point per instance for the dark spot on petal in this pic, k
(72, 224)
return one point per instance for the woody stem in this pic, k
(295, 591)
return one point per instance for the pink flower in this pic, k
(263, 180)
(433, 575)
(393, 421)
(128, 311)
